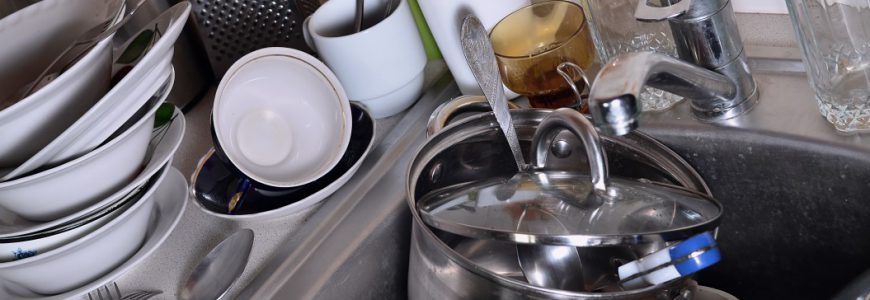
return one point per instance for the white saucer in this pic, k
(167, 213)
(300, 204)
(164, 144)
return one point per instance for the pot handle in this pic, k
(445, 112)
(580, 126)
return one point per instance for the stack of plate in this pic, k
(86, 183)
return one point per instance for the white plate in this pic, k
(118, 105)
(168, 211)
(163, 149)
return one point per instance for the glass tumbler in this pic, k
(834, 36)
(616, 32)
(533, 41)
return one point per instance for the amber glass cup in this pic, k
(531, 42)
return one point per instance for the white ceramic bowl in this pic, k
(281, 117)
(131, 98)
(164, 143)
(169, 205)
(74, 185)
(119, 104)
(93, 255)
(33, 37)
(25, 248)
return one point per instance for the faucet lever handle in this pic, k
(647, 12)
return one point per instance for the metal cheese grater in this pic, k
(229, 29)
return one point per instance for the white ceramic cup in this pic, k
(445, 20)
(381, 66)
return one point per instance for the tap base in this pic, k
(712, 116)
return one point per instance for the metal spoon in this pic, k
(556, 267)
(358, 17)
(480, 56)
(546, 266)
(213, 276)
(389, 8)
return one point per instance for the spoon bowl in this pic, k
(213, 276)
(556, 267)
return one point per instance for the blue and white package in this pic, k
(683, 259)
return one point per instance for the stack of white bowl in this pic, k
(82, 157)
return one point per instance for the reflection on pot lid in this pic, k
(532, 208)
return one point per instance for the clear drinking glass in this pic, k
(616, 31)
(835, 39)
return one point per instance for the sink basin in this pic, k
(795, 196)
(795, 211)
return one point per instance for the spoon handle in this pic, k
(480, 56)
(358, 17)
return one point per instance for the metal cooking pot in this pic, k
(471, 150)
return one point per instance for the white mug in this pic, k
(382, 65)
(445, 20)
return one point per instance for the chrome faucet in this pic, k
(712, 71)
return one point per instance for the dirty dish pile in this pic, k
(88, 196)
(285, 135)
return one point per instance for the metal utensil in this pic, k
(213, 276)
(78, 49)
(109, 291)
(358, 16)
(556, 267)
(481, 58)
(141, 295)
(495, 256)
(389, 8)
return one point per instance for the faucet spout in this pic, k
(712, 71)
(613, 100)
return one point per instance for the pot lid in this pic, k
(562, 208)
(544, 206)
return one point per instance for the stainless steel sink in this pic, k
(795, 194)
